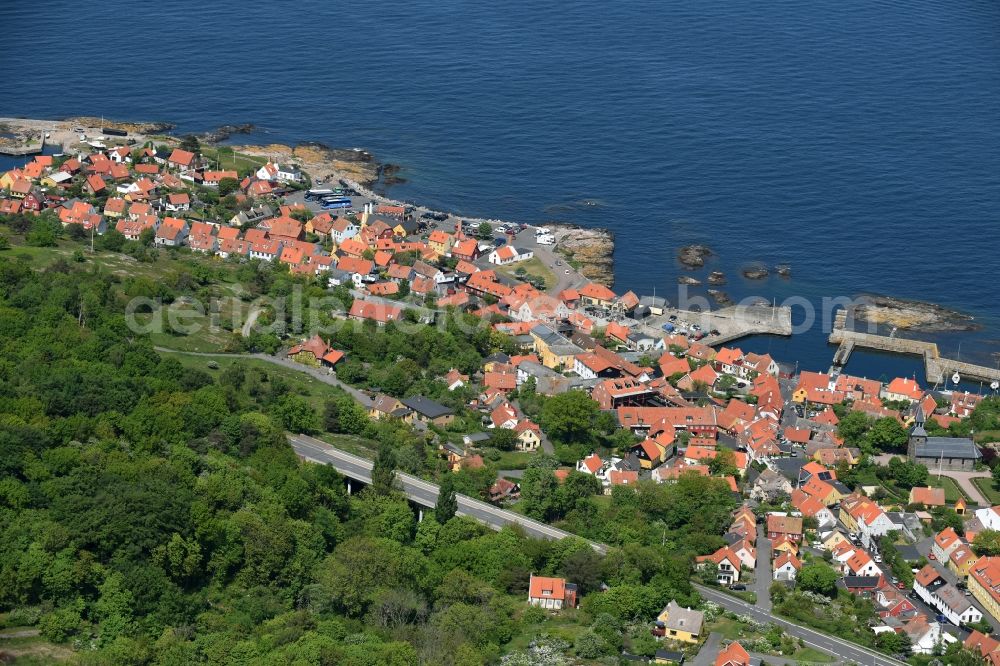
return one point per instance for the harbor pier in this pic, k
(936, 367)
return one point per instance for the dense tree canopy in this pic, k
(156, 511)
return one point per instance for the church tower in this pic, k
(918, 436)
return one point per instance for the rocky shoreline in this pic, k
(591, 249)
(912, 315)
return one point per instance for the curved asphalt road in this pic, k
(425, 494)
(837, 647)
(422, 492)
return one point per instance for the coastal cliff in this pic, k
(591, 249)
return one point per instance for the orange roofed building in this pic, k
(551, 593)
(315, 352)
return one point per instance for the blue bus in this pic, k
(336, 204)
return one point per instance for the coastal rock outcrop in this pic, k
(784, 270)
(720, 297)
(755, 272)
(322, 162)
(693, 256)
(593, 249)
(226, 131)
(912, 315)
(717, 277)
(130, 127)
(685, 279)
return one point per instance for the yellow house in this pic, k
(784, 545)
(8, 177)
(650, 453)
(836, 538)
(800, 395)
(384, 406)
(961, 560)
(527, 436)
(845, 517)
(679, 623)
(984, 583)
(439, 241)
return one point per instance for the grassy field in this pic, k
(314, 391)
(533, 267)
(184, 327)
(559, 625)
(230, 159)
(733, 630)
(114, 262)
(811, 655)
(985, 486)
(359, 446)
(21, 646)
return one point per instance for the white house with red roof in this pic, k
(903, 388)
(508, 254)
(172, 232)
(786, 566)
(728, 564)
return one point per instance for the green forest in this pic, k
(153, 513)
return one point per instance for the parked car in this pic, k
(737, 586)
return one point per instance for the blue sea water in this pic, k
(857, 141)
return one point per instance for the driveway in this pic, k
(709, 651)
(762, 573)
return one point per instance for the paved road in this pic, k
(316, 373)
(421, 491)
(425, 493)
(762, 572)
(837, 647)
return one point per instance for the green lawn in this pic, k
(514, 460)
(533, 266)
(230, 159)
(952, 491)
(985, 486)
(728, 627)
(811, 655)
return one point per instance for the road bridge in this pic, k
(422, 492)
